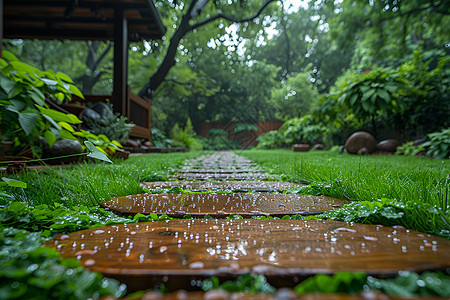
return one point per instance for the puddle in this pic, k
(220, 205)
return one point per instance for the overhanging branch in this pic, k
(231, 19)
(179, 82)
(432, 6)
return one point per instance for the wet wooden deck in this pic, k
(279, 249)
(220, 205)
(232, 186)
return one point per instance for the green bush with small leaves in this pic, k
(439, 144)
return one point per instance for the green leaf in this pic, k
(28, 121)
(384, 95)
(6, 84)
(37, 96)
(74, 90)
(368, 94)
(95, 153)
(66, 126)
(49, 137)
(52, 122)
(116, 143)
(14, 182)
(353, 99)
(9, 56)
(59, 116)
(49, 81)
(66, 134)
(64, 77)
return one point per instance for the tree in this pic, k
(389, 28)
(195, 9)
(93, 60)
(303, 43)
(295, 97)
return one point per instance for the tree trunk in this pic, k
(169, 60)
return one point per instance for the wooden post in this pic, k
(120, 78)
(1, 26)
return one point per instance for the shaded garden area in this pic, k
(88, 208)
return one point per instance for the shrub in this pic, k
(25, 115)
(159, 139)
(439, 144)
(409, 148)
(217, 139)
(113, 125)
(270, 140)
(185, 137)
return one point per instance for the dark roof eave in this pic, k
(158, 20)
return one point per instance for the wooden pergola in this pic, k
(120, 21)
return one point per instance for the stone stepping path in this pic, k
(175, 252)
(222, 176)
(220, 160)
(180, 250)
(282, 294)
(221, 166)
(232, 186)
(221, 205)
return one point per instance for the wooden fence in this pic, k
(245, 138)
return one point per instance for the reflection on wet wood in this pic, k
(283, 294)
(233, 186)
(140, 252)
(222, 176)
(223, 204)
(221, 171)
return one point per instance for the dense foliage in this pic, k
(30, 271)
(292, 60)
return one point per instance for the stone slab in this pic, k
(233, 186)
(220, 205)
(178, 251)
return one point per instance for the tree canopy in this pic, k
(258, 60)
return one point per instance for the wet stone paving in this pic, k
(179, 251)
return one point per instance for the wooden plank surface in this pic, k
(141, 253)
(233, 186)
(220, 205)
(222, 176)
(283, 294)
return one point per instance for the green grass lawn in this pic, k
(91, 183)
(413, 193)
(415, 189)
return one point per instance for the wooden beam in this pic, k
(120, 89)
(1, 26)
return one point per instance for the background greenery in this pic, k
(288, 63)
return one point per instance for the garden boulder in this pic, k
(62, 148)
(89, 113)
(301, 147)
(103, 109)
(359, 140)
(318, 147)
(389, 145)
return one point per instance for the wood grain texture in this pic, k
(138, 253)
(221, 205)
(233, 186)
